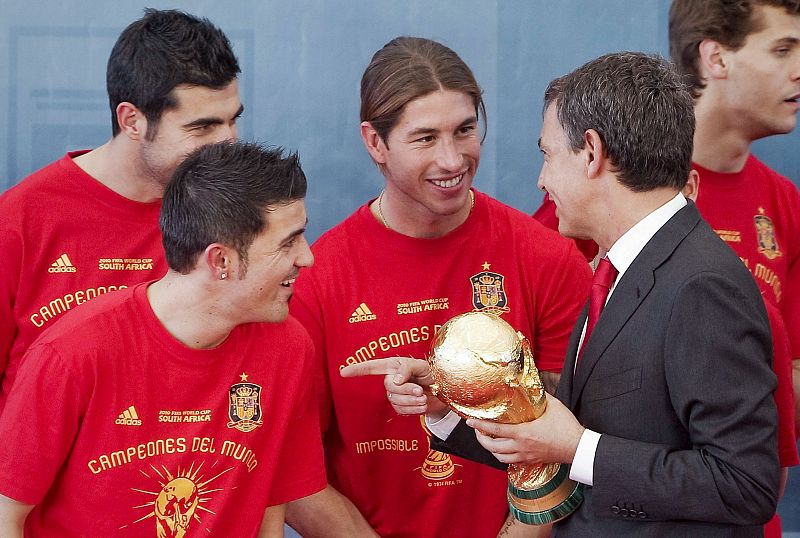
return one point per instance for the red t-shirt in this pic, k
(374, 293)
(114, 428)
(65, 239)
(757, 213)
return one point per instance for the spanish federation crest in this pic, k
(244, 407)
(765, 233)
(488, 292)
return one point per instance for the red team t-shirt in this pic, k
(114, 428)
(375, 293)
(66, 238)
(757, 213)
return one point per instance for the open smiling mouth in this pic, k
(287, 283)
(447, 183)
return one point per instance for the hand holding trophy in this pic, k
(484, 369)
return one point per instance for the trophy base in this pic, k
(549, 503)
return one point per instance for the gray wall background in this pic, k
(302, 61)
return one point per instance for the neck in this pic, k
(408, 217)
(115, 165)
(624, 209)
(719, 142)
(189, 310)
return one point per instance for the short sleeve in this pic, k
(40, 422)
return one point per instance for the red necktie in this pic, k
(604, 277)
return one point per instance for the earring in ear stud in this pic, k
(223, 276)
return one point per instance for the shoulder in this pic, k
(83, 338)
(340, 234)
(771, 177)
(91, 324)
(39, 182)
(704, 255)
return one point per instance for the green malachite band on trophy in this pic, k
(566, 507)
(549, 487)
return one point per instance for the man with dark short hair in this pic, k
(742, 62)
(182, 406)
(667, 414)
(88, 223)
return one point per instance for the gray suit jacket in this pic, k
(676, 377)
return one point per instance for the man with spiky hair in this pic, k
(181, 406)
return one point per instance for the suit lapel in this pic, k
(631, 291)
(564, 390)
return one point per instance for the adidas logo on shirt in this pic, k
(129, 417)
(362, 313)
(62, 265)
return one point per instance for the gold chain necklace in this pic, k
(386, 224)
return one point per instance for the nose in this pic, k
(306, 257)
(796, 68)
(225, 132)
(540, 181)
(450, 157)
(233, 131)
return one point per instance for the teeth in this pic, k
(448, 182)
(288, 282)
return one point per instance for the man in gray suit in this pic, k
(667, 413)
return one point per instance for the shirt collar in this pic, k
(631, 243)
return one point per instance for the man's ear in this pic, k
(219, 261)
(595, 157)
(713, 60)
(132, 122)
(692, 186)
(374, 143)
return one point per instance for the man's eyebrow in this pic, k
(430, 130)
(468, 121)
(423, 130)
(295, 233)
(787, 40)
(202, 122)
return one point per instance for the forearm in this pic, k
(327, 514)
(513, 528)
(272, 523)
(640, 476)
(462, 443)
(12, 517)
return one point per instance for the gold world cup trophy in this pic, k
(482, 368)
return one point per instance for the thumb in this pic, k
(415, 371)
